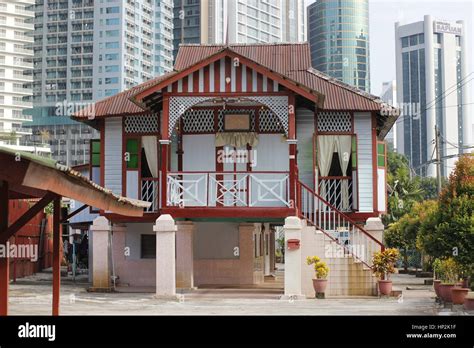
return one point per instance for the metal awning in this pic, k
(31, 176)
(23, 175)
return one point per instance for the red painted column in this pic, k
(164, 142)
(4, 261)
(292, 145)
(56, 254)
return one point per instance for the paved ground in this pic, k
(32, 296)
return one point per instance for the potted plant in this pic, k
(321, 271)
(383, 264)
(449, 277)
(459, 295)
(437, 276)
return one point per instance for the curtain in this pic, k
(326, 147)
(150, 145)
(237, 139)
(344, 149)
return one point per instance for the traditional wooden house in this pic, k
(231, 143)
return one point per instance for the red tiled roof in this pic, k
(290, 60)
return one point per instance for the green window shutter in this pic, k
(132, 148)
(95, 154)
(354, 152)
(381, 154)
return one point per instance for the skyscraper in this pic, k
(389, 95)
(239, 21)
(86, 50)
(16, 62)
(433, 91)
(338, 33)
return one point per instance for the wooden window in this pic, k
(94, 170)
(148, 246)
(95, 153)
(133, 152)
(381, 154)
(354, 152)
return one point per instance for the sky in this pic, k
(383, 14)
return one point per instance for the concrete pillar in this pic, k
(165, 229)
(101, 255)
(375, 227)
(185, 255)
(248, 274)
(293, 261)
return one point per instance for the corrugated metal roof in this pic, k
(121, 103)
(279, 57)
(78, 178)
(290, 60)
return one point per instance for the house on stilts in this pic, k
(240, 141)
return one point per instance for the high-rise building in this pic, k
(338, 33)
(389, 96)
(239, 21)
(433, 83)
(16, 62)
(86, 50)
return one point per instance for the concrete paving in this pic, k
(32, 296)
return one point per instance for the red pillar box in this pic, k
(293, 244)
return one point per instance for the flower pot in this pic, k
(445, 292)
(469, 302)
(465, 283)
(319, 286)
(458, 295)
(436, 284)
(385, 287)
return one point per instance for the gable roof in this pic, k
(292, 61)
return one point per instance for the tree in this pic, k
(449, 232)
(403, 233)
(403, 190)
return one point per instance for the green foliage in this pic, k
(449, 230)
(404, 188)
(383, 263)
(320, 268)
(48, 210)
(437, 268)
(449, 271)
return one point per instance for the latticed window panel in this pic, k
(142, 124)
(178, 106)
(334, 122)
(220, 117)
(198, 121)
(269, 122)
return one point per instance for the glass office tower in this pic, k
(338, 32)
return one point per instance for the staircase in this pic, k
(344, 245)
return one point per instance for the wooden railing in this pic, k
(337, 226)
(150, 192)
(228, 189)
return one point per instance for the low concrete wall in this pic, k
(132, 270)
(238, 270)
